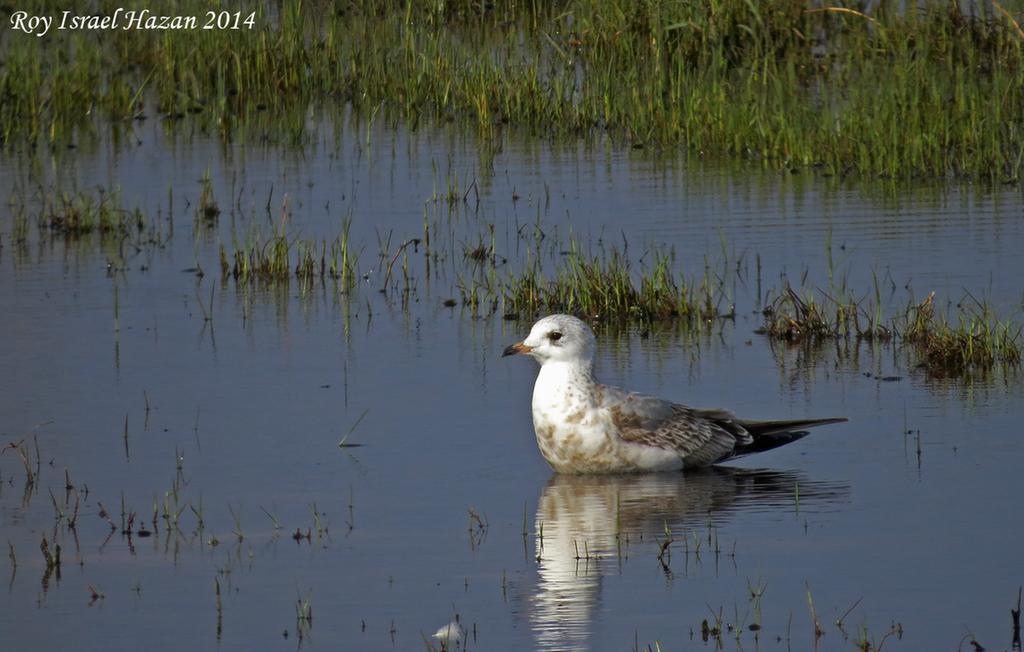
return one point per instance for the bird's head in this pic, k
(557, 338)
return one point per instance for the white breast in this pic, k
(574, 429)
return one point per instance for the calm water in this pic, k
(426, 519)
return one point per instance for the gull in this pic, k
(583, 426)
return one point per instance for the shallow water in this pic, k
(905, 515)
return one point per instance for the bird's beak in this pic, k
(518, 347)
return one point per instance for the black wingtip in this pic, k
(767, 442)
(762, 428)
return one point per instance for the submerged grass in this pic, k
(82, 219)
(73, 215)
(606, 284)
(279, 258)
(548, 274)
(929, 88)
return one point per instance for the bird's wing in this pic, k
(699, 436)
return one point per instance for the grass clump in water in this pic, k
(604, 288)
(74, 215)
(979, 339)
(208, 211)
(796, 317)
(277, 259)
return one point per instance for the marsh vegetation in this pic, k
(919, 90)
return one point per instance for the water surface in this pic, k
(909, 511)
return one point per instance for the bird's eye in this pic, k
(554, 336)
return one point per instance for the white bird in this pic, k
(452, 636)
(583, 426)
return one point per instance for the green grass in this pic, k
(923, 91)
(605, 287)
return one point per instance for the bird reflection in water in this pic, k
(588, 523)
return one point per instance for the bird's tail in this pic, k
(758, 428)
(772, 434)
